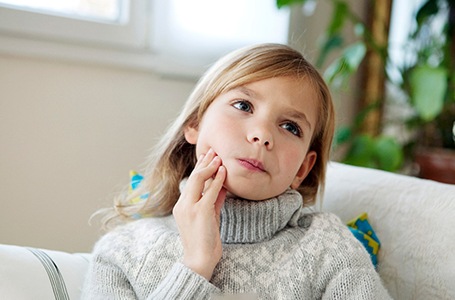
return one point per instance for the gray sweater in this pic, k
(271, 250)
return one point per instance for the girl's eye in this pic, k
(292, 128)
(243, 105)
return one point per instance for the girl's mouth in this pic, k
(252, 164)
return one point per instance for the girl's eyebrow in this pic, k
(246, 91)
(292, 113)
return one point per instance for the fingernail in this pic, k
(210, 151)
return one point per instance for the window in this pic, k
(174, 36)
(58, 25)
(199, 31)
(100, 10)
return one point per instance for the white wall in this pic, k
(69, 135)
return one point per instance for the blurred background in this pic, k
(86, 88)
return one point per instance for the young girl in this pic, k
(225, 190)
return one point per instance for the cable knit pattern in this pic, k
(271, 250)
(240, 218)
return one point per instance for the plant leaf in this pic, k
(375, 152)
(342, 135)
(339, 16)
(427, 10)
(354, 55)
(282, 3)
(341, 68)
(336, 73)
(333, 38)
(328, 44)
(388, 154)
(361, 152)
(428, 88)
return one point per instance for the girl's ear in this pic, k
(191, 134)
(305, 168)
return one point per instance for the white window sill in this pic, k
(143, 59)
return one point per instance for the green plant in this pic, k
(427, 79)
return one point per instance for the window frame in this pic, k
(130, 44)
(50, 26)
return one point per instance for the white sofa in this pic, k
(413, 218)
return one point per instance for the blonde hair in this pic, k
(173, 158)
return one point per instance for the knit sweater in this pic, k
(271, 250)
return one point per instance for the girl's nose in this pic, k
(262, 137)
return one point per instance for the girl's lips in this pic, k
(252, 164)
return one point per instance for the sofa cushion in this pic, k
(32, 273)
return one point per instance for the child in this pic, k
(224, 190)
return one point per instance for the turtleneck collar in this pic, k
(246, 221)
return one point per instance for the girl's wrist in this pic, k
(203, 269)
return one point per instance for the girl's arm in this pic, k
(105, 280)
(110, 273)
(197, 214)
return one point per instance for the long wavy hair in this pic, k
(173, 158)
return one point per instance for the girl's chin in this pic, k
(248, 189)
(246, 195)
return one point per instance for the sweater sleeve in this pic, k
(346, 269)
(105, 280)
(183, 283)
(356, 284)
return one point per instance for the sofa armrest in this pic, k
(32, 273)
(414, 220)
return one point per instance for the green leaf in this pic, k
(328, 44)
(428, 88)
(336, 73)
(388, 154)
(427, 10)
(333, 38)
(354, 55)
(342, 135)
(361, 152)
(339, 16)
(380, 153)
(282, 3)
(339, 70)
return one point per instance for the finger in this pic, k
(207, 184)
(203, 160)
(199, 160)
(220, 201)
(206, 171)
(208, 157)
(212, 193)
(196, 182)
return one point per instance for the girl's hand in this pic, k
(197, 214)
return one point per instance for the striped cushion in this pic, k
(31, 273)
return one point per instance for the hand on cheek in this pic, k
(197, 214)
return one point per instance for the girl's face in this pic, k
(262, 133)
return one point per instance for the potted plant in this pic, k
(429, 81)
(426, 80)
